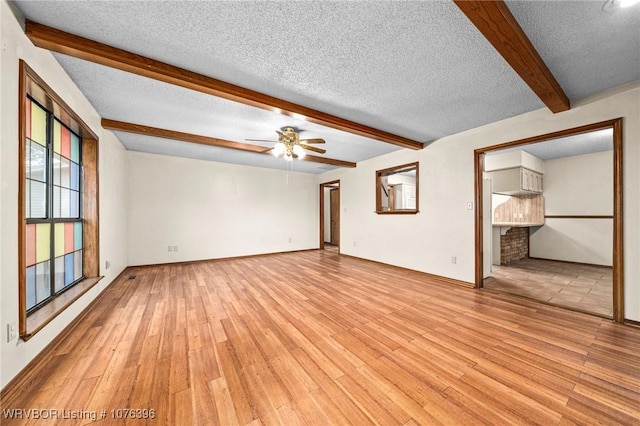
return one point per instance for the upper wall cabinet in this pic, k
(515, 173)
(516, 181)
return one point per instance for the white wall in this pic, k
(17, 354)
(444, 227)
(213, 210)
(579, 185)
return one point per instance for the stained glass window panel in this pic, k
(77, 265)
(59, 239)
(74, 177)
(36, 157)
(56, 201)
(74, 201)
(43, 241)
(31, 245)
(64, 202)
(38, 124)
(57, 165)
(65, 149)
(37, 205)
(43, 281)
(75, 148)
(57, 137)
(77, 234)
(68, 237)
(59, 281)
(31, 287)
(64, 173)
(68, 269)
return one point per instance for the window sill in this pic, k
(46, 314)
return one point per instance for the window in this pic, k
(397, 190)
(58, 242)
(52, 206)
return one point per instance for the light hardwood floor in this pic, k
(319, 338)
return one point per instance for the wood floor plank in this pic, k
(314, 337)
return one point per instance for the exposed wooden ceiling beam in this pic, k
(79, 47)
(140, 129)
(496, 22)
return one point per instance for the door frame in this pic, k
(618, 249)
(334, 198)
(321, 215)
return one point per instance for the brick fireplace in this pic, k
(514, 245)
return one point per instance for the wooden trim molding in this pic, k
(478, 166)
(90, 208)
(498, 25)
(89, 50)
(618, 231)
(632, 323)
(607, 124)
(426, 274)
(141, 129)
(617, 246)
(22, 214)
(38, 89)
(321, 215)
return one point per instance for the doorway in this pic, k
(330, 216)
(533, 244)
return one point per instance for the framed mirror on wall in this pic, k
(397, 189)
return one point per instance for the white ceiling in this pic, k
(418, 69)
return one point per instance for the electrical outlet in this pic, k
(469, 205)
(170, 248)
(12, 331)
(290, 239)
(175, 248)
(107, 264)
(454, 260)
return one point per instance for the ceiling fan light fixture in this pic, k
(297, 150)
(278, 149)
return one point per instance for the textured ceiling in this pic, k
(415, 68)
(569, 146)
(588, 49)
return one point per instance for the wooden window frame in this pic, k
(30, 84)
(391, 170)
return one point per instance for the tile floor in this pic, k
(587, 288)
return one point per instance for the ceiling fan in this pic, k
(290, 145)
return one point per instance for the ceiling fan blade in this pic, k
(260, 140)
(310, 141)
(313, 148)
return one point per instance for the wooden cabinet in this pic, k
(517, 180)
